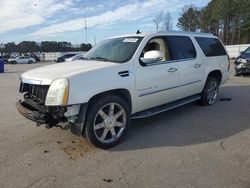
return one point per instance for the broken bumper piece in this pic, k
(31, 113)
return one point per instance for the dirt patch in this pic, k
(75, 149)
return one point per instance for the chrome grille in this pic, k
(35, 92)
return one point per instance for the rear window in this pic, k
(211, 46)
(181, 47)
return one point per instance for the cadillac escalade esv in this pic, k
(125, 77)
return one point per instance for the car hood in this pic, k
(245, 56)
(45, 75)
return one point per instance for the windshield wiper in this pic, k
(99, 58)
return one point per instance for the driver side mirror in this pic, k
(152, 56)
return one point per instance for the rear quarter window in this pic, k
(211, 46)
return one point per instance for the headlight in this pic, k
(58, 93)
(240, 60)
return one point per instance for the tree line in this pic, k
(227, 19)
(44, 46)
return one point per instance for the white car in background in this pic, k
(75, 57)
(21, 60)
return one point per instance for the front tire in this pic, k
(210, 92)
(107, 121)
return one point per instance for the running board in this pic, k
(165, 107)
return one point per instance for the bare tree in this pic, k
(167, 21)
(157, 20)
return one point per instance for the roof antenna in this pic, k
(138, 32)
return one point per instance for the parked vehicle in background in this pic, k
(21, 60)
(5, 58)
(2, 59)
(133, 76)
(242, 63)
(75, 57)
(65, 56)
(35, 57)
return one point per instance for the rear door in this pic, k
(190, 66)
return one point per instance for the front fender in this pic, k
(86, 85)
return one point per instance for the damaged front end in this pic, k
(33, 108)
(242, 66)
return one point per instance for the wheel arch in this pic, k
(216, 74)
(123, 93)
(78, 127)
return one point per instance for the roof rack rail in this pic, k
(186, 32)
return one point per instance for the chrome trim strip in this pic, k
(168, 62)
(179, 60)
(157, 91)
(29, 81)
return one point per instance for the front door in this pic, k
(156, 81)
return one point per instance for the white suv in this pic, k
(122, 78)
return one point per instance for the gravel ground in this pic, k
(192, 146)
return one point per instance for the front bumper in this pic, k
(242, 69)
(33, 114)
(46, 117)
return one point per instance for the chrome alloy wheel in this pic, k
(110, 121)
(212, 92)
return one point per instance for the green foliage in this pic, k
(45, 46)
(189, 21)
(86, 47)
(228, 19)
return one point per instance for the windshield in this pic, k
(68, 55)
(247, 51)
(117, 50)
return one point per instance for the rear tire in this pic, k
(107, 121)
(210, 92)
(30, 62)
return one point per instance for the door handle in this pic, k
(172, 69)
(197, 65)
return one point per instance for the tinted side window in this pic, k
(211, 46)
(181, 47)
(68, 55)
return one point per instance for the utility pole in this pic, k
(85, 23)
(239, 34)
